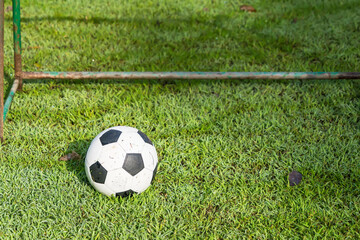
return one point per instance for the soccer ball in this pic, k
(121, 161)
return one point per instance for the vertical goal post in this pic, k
(20, 75)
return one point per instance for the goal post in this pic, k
(20, 75)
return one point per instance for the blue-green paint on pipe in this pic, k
(10, 98)
(8, 103)
(17, 27)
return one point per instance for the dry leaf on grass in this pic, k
(70, 156)
(247, 8)
(295, 178)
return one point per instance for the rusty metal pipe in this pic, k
(190, 75)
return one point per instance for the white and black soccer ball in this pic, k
(121, 161)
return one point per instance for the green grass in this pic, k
(225, 147)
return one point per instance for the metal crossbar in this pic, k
(20, 75)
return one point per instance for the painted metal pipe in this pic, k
(17, 41)
(2, 70)
(191, 75)
(10, 98)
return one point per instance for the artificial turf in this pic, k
(225, 147)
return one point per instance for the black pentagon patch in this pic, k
(125, 194)
(144, 137)
(98, 173)
(154, 173)
(133, 163)
(110, 136)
